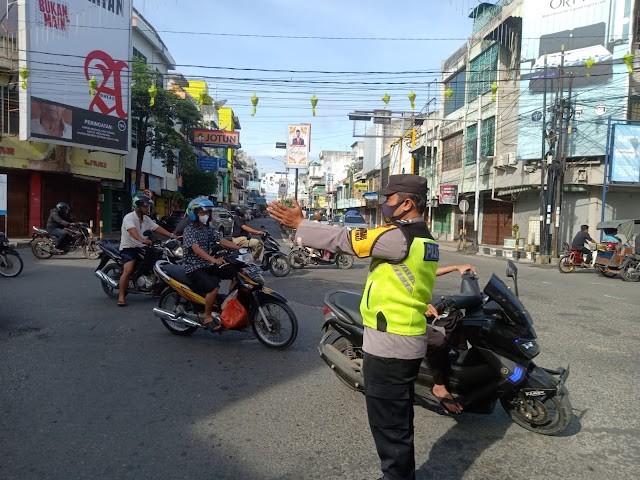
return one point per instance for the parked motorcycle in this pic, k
(10, 261)
(300, 257)
(272, 258)
(141, 282)
(497, 366)
(181, 307)
(43, 244)
(570, 259)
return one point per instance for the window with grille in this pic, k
(488, 140)
(456, 85)
(452, 152)
(9, 106)
(483, 72)
(139, 56)
(471, 145)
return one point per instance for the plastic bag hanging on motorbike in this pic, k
(233, 315)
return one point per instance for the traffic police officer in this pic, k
(399, 285)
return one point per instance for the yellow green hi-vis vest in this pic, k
(396, 294)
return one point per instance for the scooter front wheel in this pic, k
(297, 260)
(279, 266)
(548, 416)
(282, 322)
(91, 250)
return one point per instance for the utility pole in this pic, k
(544, 160)
(476, 207)
(558, 166)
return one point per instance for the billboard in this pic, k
(298, 141)
(625, 154)
(595, 35)
(216, 138)
(448, 195)
(77, 89)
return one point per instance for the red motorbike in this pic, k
(570, 259)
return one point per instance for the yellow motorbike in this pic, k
(181, 305)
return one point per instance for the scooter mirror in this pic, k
(512, 270)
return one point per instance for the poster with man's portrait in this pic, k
(298, 139)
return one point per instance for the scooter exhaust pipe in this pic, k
(342, 365)
(112, 282)
(172, 317)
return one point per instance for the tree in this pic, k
(164, 127)
(196, 182)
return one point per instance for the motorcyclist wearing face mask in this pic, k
(203, 270)
(404, 265)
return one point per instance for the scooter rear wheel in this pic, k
(344, 261)
(565, 264)
(346, 348)
(297, 260)
(170, 300)
(42, 249)
(552, 415)
(91, 250)
(112, 270)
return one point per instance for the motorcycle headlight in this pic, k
(245, 258)
(529, 348)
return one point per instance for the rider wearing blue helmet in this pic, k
(201, 268)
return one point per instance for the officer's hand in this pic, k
(288, 216)
(432, 312)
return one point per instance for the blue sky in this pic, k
(287, 103)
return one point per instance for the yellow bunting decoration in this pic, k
(314, 102)
(153, 90)
(254, 102)
(24, 74)
(93, 84)
(412, 99)
(448, 92)
(589, 62)
(628, 59)
(385, 99)
(494, 89)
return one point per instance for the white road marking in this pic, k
(615, 298)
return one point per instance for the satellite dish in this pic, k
(219, 104)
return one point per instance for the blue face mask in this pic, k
(388, 211)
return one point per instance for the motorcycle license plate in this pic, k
(253, 271)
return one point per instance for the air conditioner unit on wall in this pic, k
(511, 159)
(498, 161)
(582, 175)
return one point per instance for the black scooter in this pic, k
(496, 344)
(300, 257)
(272, 258)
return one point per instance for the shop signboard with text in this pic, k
(625, 154)
(595, 36)
(75, 77)
(216, 138)
(448, 195)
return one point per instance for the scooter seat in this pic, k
(177, 273)
(111, 247)
(349, 304)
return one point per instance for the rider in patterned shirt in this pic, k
(201, 268)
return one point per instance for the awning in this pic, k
(510, 191)
(419, 149)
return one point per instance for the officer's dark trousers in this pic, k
(389, 393)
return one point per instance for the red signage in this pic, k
(216, 138)
(448, 195)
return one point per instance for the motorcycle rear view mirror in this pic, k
(512, 272)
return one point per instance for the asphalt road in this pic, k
(92, 391)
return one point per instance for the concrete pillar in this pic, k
(35, 199)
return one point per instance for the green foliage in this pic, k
(165, 127)
(197, 182)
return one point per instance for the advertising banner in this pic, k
(75, 55)
(625, 155)
(401, 160)
(595, 35)
(298, 140)
(282, 188)
(448, 195)
(216, 138)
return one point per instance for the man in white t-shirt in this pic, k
(134, 225)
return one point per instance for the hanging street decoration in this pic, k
(24, 74)
(448, 92)
(385, 99)
(93, 84)
(153, 90)
(589, 62)
(314, 102)
(628, 60)
(494, 89)
(412, 99)
(254, 102)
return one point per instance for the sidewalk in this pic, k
(23, 242)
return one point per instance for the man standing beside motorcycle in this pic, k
(399, 285)
(57, 224)
(134, 224)
(201, 268)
